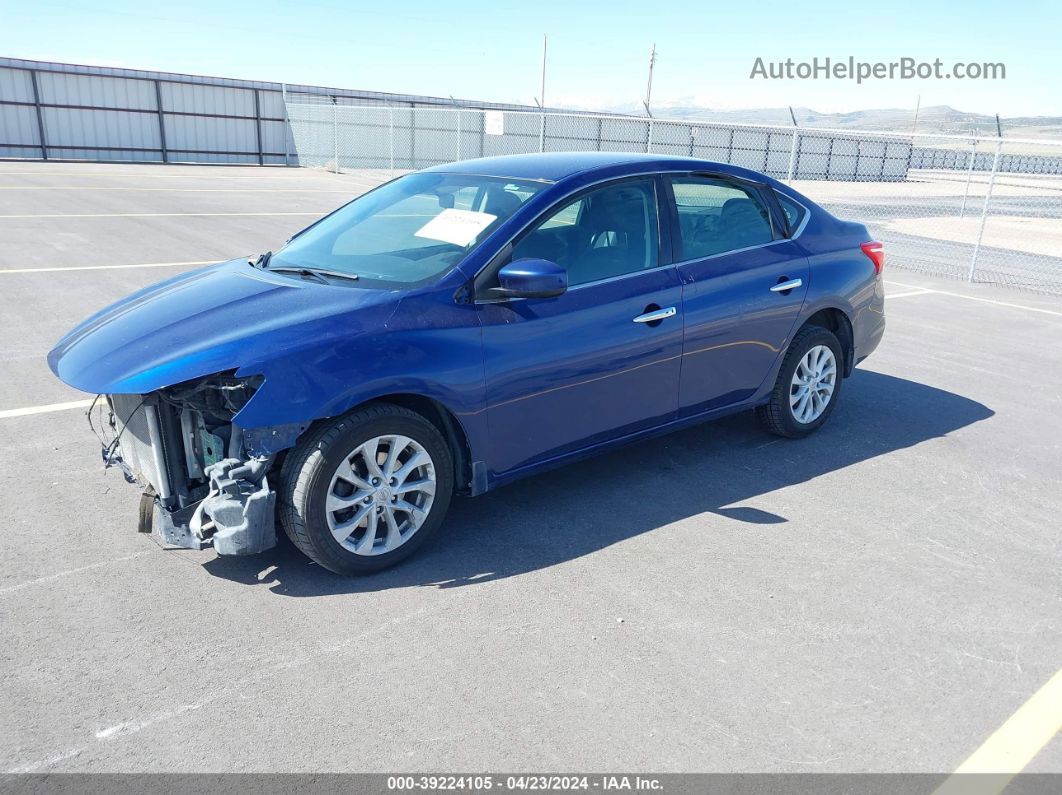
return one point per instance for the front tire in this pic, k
(808, 384)
(367, 490)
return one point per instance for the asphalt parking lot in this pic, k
(882, 596)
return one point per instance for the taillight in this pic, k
(876, 253)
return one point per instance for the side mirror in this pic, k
(530, 278)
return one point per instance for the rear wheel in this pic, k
(367, 490)
(808, 384)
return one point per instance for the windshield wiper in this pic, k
(262, 261)
(318, 273)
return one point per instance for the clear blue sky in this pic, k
(598, 50)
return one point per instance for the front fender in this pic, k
(431, 348)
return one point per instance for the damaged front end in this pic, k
(201, 485)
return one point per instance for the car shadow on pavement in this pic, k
(592, 504)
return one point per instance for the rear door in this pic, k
(565, 373)
(744, 282)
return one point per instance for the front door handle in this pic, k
(792, 284)
(656, 315)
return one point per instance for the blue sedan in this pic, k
(461, 327)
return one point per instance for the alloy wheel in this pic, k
(380, 494)
(813, 384)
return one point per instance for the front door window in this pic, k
(605, 233)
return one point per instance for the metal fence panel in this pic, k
(18, 126)
(274, 136)
(87, 129)
(271, 104)
(202, 133)
(96, 154)
(97, 92)
(15, 85)
(203, 99)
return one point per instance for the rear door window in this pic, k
(716, 216)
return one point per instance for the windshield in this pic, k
(409, 230)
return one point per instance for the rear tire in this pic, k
(367, 490)
(801, 402)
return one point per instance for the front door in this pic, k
(603, 359)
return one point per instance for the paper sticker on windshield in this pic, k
(459, 227)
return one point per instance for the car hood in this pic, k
(223, 317)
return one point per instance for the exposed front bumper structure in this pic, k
(199, 487)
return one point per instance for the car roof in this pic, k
(555, 166)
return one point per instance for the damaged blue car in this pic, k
(463, 326)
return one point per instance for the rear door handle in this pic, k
(655, 315)
(792, 284)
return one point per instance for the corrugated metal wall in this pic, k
(65, 111)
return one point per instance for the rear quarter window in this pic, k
(794, 213)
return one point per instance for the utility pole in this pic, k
(918, 106)
(542, 90)
(542, 101)
(649, 86)
(793, 144)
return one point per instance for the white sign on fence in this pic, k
(494, 122)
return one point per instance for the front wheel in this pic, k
(367, 490)
(808, 385)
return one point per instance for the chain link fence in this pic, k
(991, 213)
(979, 209)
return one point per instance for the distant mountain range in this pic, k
(931, 119)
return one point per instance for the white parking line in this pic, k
(73, 404)
(143, 215)
(109, 267)
(275, 173)
(134, 726)
(51, 269)
(57, 575)
(1007, 304)
(54, 759)
(175, 190)
(908, 293)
